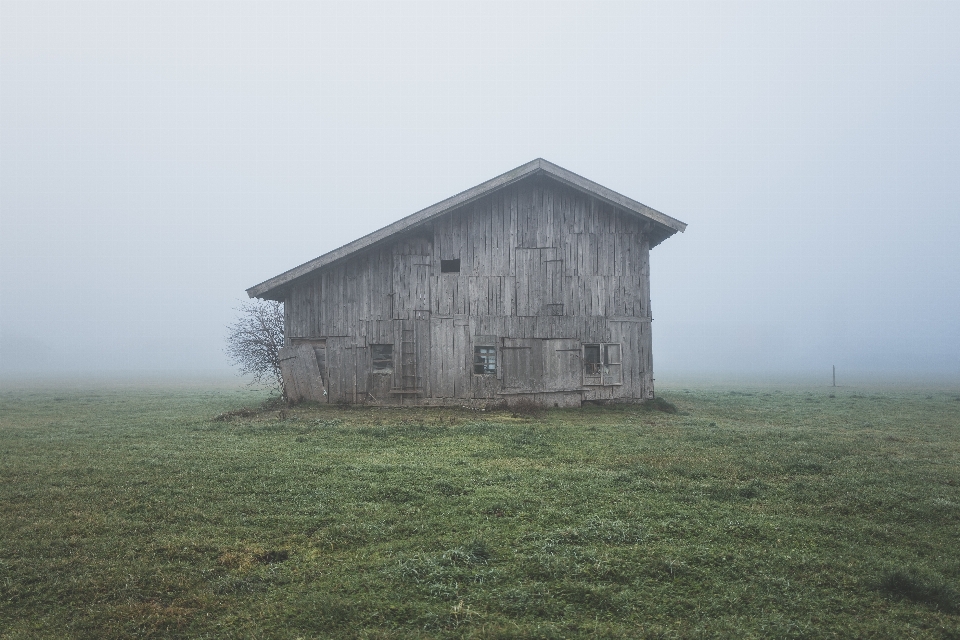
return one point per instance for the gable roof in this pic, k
(664, 226)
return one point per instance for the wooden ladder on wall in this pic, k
(409, 379)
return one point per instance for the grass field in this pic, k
(758, 512)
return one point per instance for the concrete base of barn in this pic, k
(304, 382)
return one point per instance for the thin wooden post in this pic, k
(834, 375)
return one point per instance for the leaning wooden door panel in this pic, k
(320, 351)
(308, 374)
(300, 366)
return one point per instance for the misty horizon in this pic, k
(156, 160)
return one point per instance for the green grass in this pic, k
(748, 513)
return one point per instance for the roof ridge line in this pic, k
(537, 165)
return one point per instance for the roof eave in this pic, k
(403, 224)
(612, 196)
(271, 289)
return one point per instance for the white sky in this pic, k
(158, 158)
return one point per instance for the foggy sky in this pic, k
(158, 158)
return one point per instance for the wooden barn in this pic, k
(535, 284)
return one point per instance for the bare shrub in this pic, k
(254, 342)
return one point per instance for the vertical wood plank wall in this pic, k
(544, 268)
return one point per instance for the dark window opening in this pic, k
(382, 357)
(484, 360)
(450, 266)
(591, 359)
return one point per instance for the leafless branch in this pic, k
(254, 342)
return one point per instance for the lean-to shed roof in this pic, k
(663, 225)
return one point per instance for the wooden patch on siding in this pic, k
(561, 364)
(411, 284)
(522, 364)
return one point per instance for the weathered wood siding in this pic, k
(544, 269)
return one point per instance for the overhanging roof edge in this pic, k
(424, 215)
(611, 196)
(400, 225)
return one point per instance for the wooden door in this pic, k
(442, 360)
(562, 365)
(411, 285)
(539, 282)
(522, 364)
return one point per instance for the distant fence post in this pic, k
(834, 375)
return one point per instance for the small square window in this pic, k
(450, 266)
(382, 357)
(484, 360)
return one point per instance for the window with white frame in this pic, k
(602, 363)
(484, 360)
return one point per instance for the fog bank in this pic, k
(157, 159)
